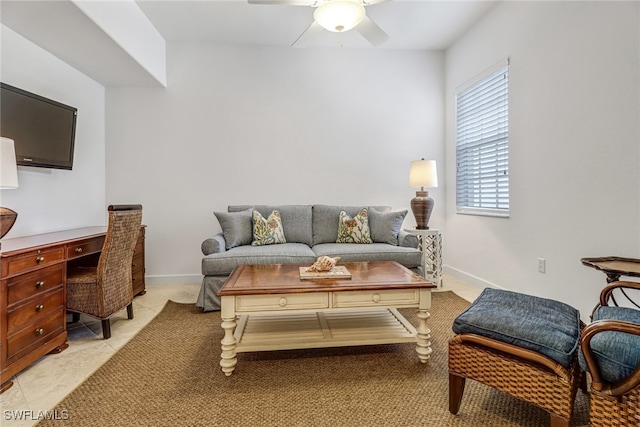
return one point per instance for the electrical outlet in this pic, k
(542, 265)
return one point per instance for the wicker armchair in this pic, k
(610, 352)
(102, 290)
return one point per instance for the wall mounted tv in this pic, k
(43, 130)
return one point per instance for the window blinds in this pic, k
(482, 146)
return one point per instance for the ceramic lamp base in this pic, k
(421, 206)
(7, 219)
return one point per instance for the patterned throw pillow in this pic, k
(354, 230)
(267, 231)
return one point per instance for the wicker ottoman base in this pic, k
(521, 373)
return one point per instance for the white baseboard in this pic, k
(470, 279)
(173, 279)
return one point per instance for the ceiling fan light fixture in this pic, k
(339, 15)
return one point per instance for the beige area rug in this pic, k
(168, 375)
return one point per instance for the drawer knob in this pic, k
(39, 307)
(376, 298)
(78, 250)
(39, 259)
(39, 284)
(39, 332)
(282, 302)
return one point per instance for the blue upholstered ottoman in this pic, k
(523, 345)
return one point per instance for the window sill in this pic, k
(498, 213)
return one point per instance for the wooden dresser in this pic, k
(33, 273)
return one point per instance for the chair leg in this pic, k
(558, 421)
(456, 389)
(75, 317)
(106, 329)
(130, 311)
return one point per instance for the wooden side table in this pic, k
(614, 266)
(431, 247)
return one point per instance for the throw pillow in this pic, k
(354, 230)
(385, 226)
(236, 227)
(267, 231)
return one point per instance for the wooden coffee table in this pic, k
(268, 307)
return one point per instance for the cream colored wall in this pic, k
(52, 199)
(242, 125)
(574, 108)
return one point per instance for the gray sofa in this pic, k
(310, 231)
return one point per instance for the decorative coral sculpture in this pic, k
(323, 263)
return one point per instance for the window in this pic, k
(482, 145)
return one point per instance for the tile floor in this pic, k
(37, 389)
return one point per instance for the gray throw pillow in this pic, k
(385, 226)
(236, 227)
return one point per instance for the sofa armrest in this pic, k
(408, 240)
(214, 245)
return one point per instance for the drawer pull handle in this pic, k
(39, 307)
(282, 302)
(78, 250)
(39, 284)
(376, 298)
(39, 332)
(39, 259)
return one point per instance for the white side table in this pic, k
(431, 246)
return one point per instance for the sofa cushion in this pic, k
(354, 229)
(543, 325)
(296, 220)
(617, 353)
(349, 252)
(267, 231)
(325, 220)
(236, 227)
(385, 226)
(287, 253)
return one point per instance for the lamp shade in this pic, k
(423, 173)
(339, 15)
(8, 168)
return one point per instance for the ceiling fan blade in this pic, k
(308, 35)
(285, 2)
(372, 32)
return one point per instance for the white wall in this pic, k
(268, 125)
(51, 199)
(574, 147)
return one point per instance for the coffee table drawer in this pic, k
(272, 302)
(391, 297)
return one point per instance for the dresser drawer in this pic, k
(302, 301)
(382, 298)
(34, 309)
(30, 337)
(86, 247)
(30, 284)
(137, 281)
(138, 262)
(34, 259)
(139, 249)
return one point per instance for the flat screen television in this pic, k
(43, 130)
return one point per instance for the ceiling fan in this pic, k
(336, 16)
